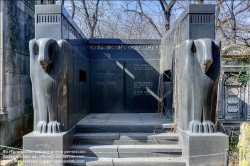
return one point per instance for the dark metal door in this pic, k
(119, 86)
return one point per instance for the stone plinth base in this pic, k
(204, 149)
(47, 149)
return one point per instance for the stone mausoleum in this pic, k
(96, 101)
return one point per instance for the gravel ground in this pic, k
(233, 159)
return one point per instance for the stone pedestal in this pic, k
(204, 149)
(47, 149)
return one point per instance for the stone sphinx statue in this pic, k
(197, 72)
(48, 79)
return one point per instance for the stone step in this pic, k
(125, 138)
(132, 128)
(126, 151)
(166, 161)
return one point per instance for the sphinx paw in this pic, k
(53, 127)
(208, 127)
(198, 127)
(195, 126)
(41, 127)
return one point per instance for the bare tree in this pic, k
(232, 22)
(73, 8)
(89, 15)
(166, 9)
(151, 19)
(91, 19)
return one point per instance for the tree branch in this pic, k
(96, 15)
(171, 4)
(242, 10)
(73, 9)
(139, 2)
(149, 19)
(166, 8)
(87, 15)
(221, 6)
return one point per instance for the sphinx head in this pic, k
(47, 48)
(204, 51)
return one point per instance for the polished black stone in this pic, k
(124, 75)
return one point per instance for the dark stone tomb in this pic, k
(124, 75)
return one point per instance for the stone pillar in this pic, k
(16, 29)
(2, 107)
(244, 144)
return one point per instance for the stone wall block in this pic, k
(21, 48)
(21, 15)
(31, 21)
(11, 95)
(14, 112)
(22, 62)
(25, 95)
(10, 79)
(11, 62)
(27, 67)
(17, 35)
(19, 100)
(32, 34)
(17, 46)
(20, 5)
(27, 21)
(28, 109)
(17, 79)
(10, 7)
(26, 33)
(22, 32)
(11, 131)
(26, 49)
(28, 10)
(19, 111)
(8, 26)
(25, 80)
(31, 13)
(16, 62)
(9, 42)
(9, 36)
(18, 30)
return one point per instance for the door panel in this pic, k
(106, 83)
(118, 86)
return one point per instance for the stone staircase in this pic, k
(118, 144)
